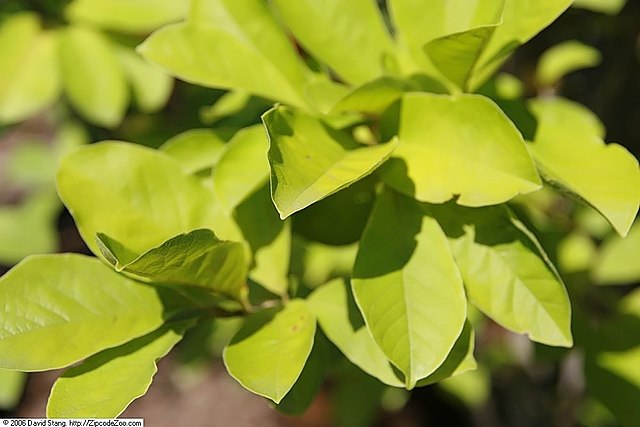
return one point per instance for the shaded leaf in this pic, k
(573, 156)
(269, 352)
(372, 97)
(123, 374)
(94, 81)
(310, 161)
(459, 145)
(357, 44)
(506, 273)
(197, 258)
(48, 306)
(610, 7)
(195, 149)
(408, 287)
(11, 388)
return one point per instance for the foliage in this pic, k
(401, 141)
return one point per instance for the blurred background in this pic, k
(519, 383)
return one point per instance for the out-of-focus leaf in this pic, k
(506, 273)
(356, 396)
(197, 258)
(48, 306)
(564, 58)
(459, 145)
(242, 167)
(356, 45)
(11, 388)
(338, 315)
(473, 388)
(129, 16)
(232, 102)
(509, 87)
(408, 287)
(372, 97)
(610, 7)
(572, 155)
(93, 78)
(576, 252)
(124, 374)
(310, 161)
(138, 196)
(619, 260)
(195, 149)
(151, 84)
(270, 351)
(324, 262)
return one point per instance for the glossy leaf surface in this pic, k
(310, 161)
(408, 287)
(124, 373)
(70, 307)
(459, 145)
(269, 352)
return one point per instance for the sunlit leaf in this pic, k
(151, 84)
(195, 149)
(506, 273)
(408, 287)
(459, 145)
(619, 260)
(124, 373)
(564, 58)
(357, 44)
(372, 97)
(138, 196)
(611, 7)
(130, 16)
(69, 307)
(310, 161)
(269, 352)
(229, 104)
(573, 156)
(93, 78)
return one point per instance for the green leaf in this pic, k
(576, 252)
(69, 307)
(610, 7)
(459, 145)
(35, 83)
(151, 85)
(242, 168)
(93, 79)
(195, 149)
(11, 388)
(29, 228)
(269, 239)
(338, 315)
(456, 55)
(348, 36)
(506, 273)
(323, 262)
(408, 287)
(105, 384)
(372, 97)
(229, 104)
(310, 161)
(220, 58)
(197, 258)
(269, 352)
(564, 58)
(138, 196)
(618, 261)
(573, 156)
(128, 16)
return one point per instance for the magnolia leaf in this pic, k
(323, 93)
(357, 44)
(197, 258)
(372, 97)
(310, 161)
(215, 57)
(93, 78)
(11, 388)
(229, 104)
(459, 145)
(563, 59)
(617, 262)
(408, 287)
(323, 262)
(138, 196)
(124, 374)
(269, 239)
(269, 352)
(242, 168)
(342, 323)
(610, 7)
(456, 55)
(48, 305)
(195, 149)
(506, 273)
(575, 157)
(35, 83)
(129, 16)
(151, 85)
